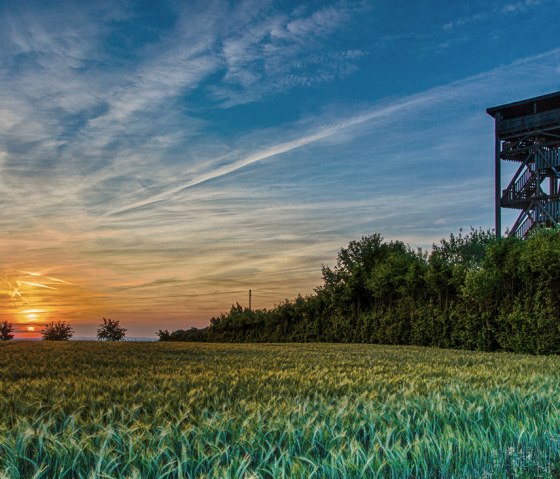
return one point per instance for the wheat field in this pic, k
(180, 410)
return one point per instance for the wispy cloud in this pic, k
(71, 111)
(520, 6)
(492, 11)
(284, 49)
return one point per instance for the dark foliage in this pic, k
(473, 291)
(192, 335)
(6, 330)
(59, 331)
(110, 330)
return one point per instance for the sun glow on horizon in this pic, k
(34, 298)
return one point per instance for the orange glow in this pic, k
(32, 315)
(32, 298)
(82, 293)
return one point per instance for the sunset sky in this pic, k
(160, 159)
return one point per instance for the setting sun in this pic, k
(30, 328)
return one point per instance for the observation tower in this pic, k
(528, 134)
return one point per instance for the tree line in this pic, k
(472, 291)
(109, 330)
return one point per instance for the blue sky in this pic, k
(158, 159)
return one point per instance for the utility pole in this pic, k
(250, 300)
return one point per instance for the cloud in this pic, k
(519, 6)
(72, 111)
(491, 12)
(275, 53)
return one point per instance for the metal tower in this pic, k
(528, 133)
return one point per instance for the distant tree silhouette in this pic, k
(110, 330)
(193, 335)
(59, 331)
(6, 330)
(164, 335)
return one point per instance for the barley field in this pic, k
(180, 410)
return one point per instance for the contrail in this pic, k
(29, 283)
(57, 280)
(279, 149)
(50, 278)
(14, 290)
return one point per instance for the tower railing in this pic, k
(520, 188)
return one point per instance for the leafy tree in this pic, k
(468, 250)
(110, 330)
(59, 331)
(163, 334)
(6, 330)
(193, 335)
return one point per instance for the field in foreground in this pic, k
(177, 410)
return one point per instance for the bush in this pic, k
(192, 335)
(59, 331)
(110, 330)
(6, 330)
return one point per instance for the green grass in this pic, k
(178, 410)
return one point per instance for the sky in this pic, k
(160, 159)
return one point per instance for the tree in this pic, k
(6, 330)
(110, 330)
(164, 335)
(193, 335)
(59, 331)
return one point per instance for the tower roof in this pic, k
(531, 106)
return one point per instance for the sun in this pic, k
(30, 328)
